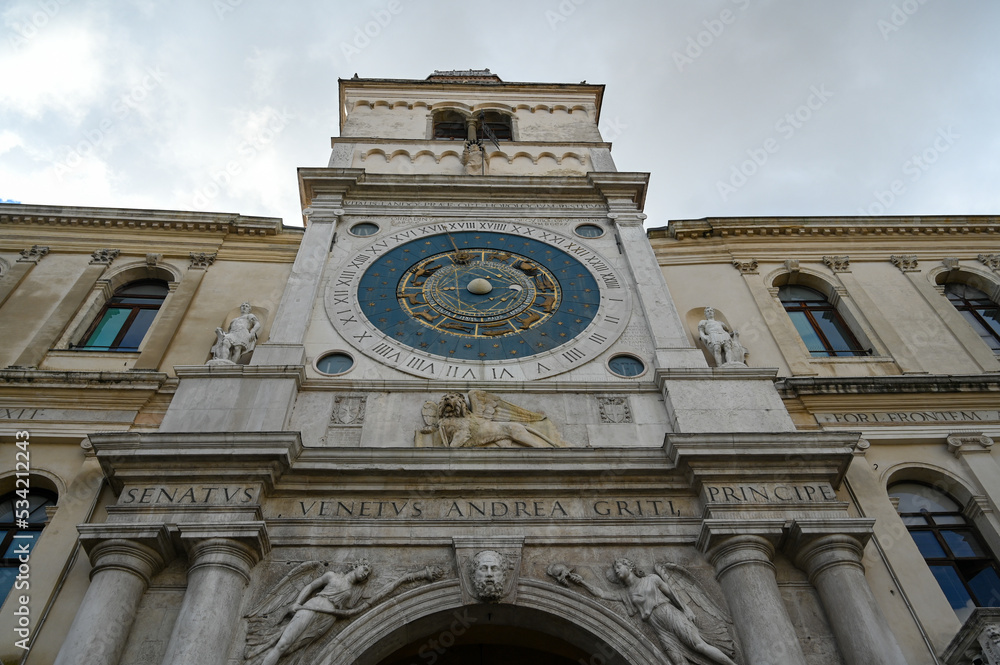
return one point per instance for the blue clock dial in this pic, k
(479, 296)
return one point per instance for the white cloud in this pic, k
(60, 69)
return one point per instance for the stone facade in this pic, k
(474, 408)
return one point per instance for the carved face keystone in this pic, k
(489, 573)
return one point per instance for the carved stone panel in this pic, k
(615, 410)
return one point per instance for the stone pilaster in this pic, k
(291, 319)
(830, 552)
(741, 552)
(122, 570)
(67, 308)
(14, 275)
(220, 564)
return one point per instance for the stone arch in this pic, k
(429, 611)
(929, 474)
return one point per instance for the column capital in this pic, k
(717, 532)
(237, 547)
(964, 443)
(141, 549)
(33, 254)
(815, 545)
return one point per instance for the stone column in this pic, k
(122, 571)
(830, 552)
(743, 567)
(218, 574)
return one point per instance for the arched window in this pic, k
(818, 322)
(450, 126)
(977, 308)
(126, 317)
(952, 548)
(497, 123)
(17, 537)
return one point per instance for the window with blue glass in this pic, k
(126, 317)
(20, 526)
(818, 323)
(956, 555)
(978, 310)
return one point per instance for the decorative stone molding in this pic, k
(202, 260)
(838, 263)
(905, 262)
(104, 256)
(950, 263)
(615, 410)
(754, 228)
(629, 218)
(792, 265)
(862, 447)
(349, 410)
(968, 442)
(991, 261)
(153, 259)
(977, 641)
(746, 267)
(33, 255)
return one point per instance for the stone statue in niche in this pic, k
(306, 603)
(240, 339)
(488, 570)
(663, 599)
(490, 422)
(721, 341)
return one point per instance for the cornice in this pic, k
(879, 385)
(758, 228)
(53, 379)
(356, 186)
(139, 220)
(461, 144)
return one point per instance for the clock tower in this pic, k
(477, 420)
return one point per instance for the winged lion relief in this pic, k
(484, 421)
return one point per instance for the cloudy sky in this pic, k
(736, 107)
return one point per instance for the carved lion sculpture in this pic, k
(490, 422)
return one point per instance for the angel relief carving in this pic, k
(490, 421)
(300, 611)
(664, 600)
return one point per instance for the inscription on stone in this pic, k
(188, 495)
(482, 509)
(769, 493)
(909, 417)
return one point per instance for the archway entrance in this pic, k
(491, 635)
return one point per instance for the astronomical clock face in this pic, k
(479, 301)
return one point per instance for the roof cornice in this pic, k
(138, 219)
(756, 228)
